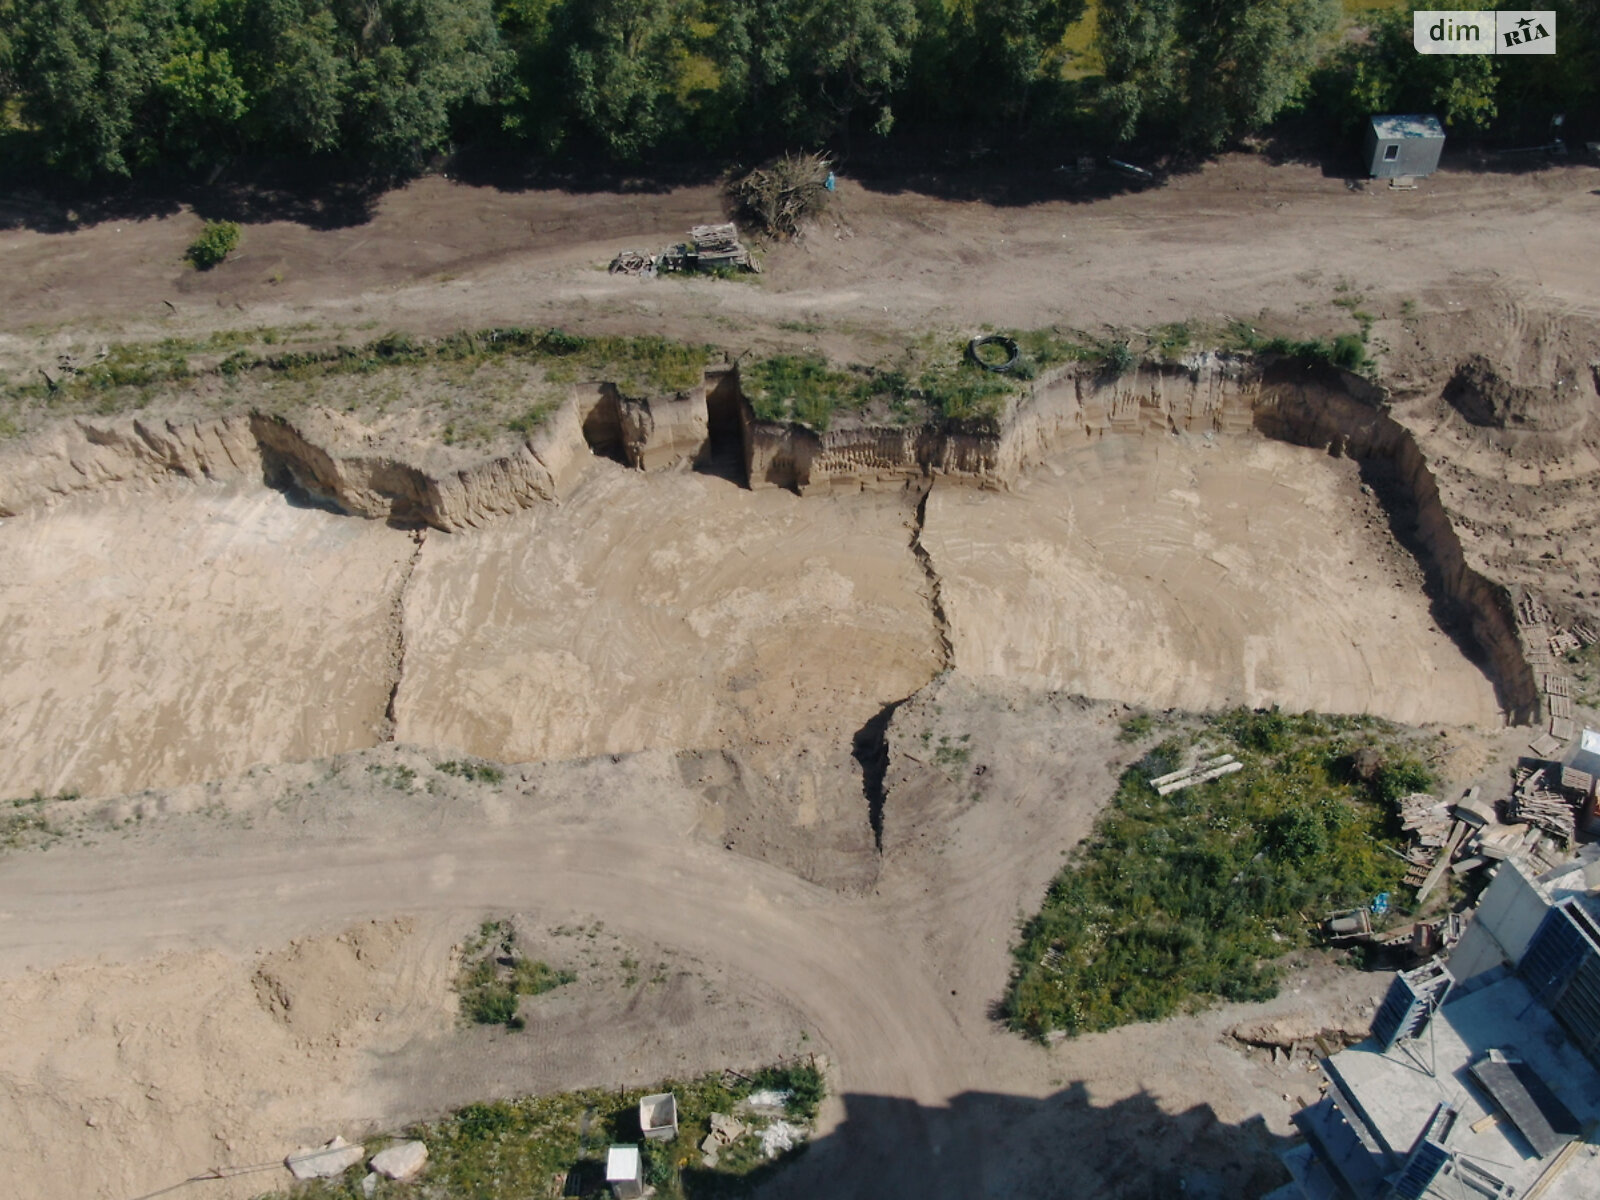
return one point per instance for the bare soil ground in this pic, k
(712, 665)
(1199, 573)
(219, 991)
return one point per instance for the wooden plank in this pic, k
(1558, 1164)
(1432, 881)
(1488, 1122)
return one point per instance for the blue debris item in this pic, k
(831, 183)
(1380, 904)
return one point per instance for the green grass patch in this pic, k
(495, 975)
(1348, 350)
(126, 375)
(800, 387)
(1585, 666)
(1178, 901)
(555, 1145)
(933, 380)
(472, 771)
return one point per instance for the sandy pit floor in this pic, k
(184, 634)
(668, 610)
(1192, 573)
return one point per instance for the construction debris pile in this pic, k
(777, 199)
(1539, 828)
(709, 248)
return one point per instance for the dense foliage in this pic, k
(103, 88)
(216, 241)
(1178, 900)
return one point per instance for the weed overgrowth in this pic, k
(1175, 901)
(495, 975)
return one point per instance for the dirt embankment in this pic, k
(328, 458)
(1342, 413)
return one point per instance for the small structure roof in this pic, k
(622, 1164)
(1389, 1097)
(1389, 127)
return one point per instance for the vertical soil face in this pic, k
(602, 424)
(727, 442)
(1323, 413)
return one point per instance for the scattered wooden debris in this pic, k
(709, 248)
(1545, 746)
(633, 262)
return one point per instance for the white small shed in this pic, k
(625, 1172)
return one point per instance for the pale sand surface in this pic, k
(185, 633)
(1192, 573)
(664, 610)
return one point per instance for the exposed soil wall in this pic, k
(1340, 412)
(319, 453)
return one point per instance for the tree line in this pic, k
(103, 88)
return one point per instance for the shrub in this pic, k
(495, 975)
(216, 241)
(1349, 352)
(1117, 358)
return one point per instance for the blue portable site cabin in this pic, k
(1403, 146)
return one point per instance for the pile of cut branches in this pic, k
(778, 198)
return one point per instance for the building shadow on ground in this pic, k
(1064, 1145)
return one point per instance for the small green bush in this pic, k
(1349, 352)
(473, 772)
(495, 975)
(216, 241)
(1117, 358)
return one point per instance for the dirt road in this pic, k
(1239, 238)
(893, 986)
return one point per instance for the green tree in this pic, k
(623, 63)
(1138, 42)
(1210, 70)
(416, 62)
(532, 95)
(1386, 74)
(852, 55)
(295, 62)
(86, 72)
(984, 61)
